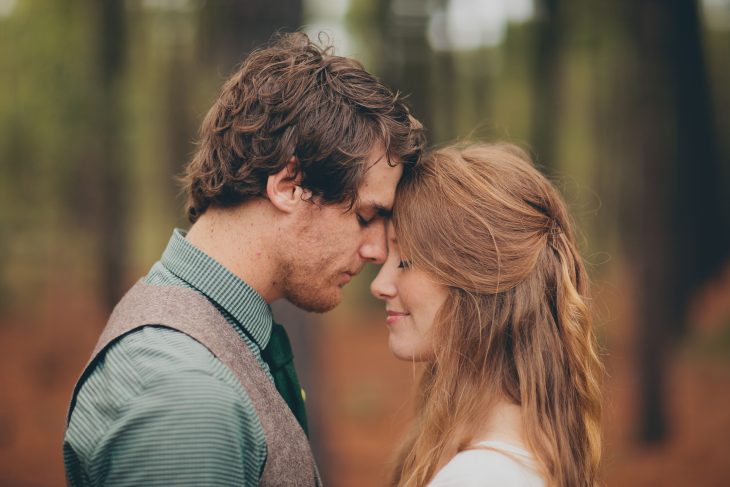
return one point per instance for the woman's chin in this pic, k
(408, 353)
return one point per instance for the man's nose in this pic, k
(374, 248)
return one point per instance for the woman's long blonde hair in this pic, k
(483, 221)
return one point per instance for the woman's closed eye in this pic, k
(404, 264)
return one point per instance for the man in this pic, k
(288, 193)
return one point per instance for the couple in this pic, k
(308, 167)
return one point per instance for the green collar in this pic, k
(220, 285)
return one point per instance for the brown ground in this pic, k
(366, 391)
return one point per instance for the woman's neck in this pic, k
(504, 423)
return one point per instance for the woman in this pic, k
(484, 282)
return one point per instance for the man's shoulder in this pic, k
(158, 387)
(152, 359)
(149, 358)
(151, 354)
(158, 350)
(154, 373)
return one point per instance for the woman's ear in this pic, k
(284, 189)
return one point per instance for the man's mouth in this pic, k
(346, 277)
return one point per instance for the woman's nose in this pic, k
(382, 286)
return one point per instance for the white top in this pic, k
(507, 465)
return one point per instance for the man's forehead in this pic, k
(377, 190)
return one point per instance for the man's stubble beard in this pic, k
(305, 283)
(305, 287)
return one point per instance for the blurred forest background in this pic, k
(624, 103)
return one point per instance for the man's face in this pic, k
(332, 244)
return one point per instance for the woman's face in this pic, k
(412, 300)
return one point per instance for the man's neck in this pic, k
(239, 239)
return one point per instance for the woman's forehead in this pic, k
(390, 230)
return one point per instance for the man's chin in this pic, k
(316, 303)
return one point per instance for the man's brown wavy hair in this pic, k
(294, 98)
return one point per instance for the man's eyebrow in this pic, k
(380, 210)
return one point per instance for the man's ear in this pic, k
(284, 189)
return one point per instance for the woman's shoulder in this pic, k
(492, 463)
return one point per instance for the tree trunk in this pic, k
(230, 29)
(111, 211)
(701, 223)
(546, 82)
(679, 233)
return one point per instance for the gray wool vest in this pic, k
(289, 460)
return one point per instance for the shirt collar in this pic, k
(247, 307)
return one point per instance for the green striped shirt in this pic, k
(159, 408)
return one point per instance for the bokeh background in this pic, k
(624, 103)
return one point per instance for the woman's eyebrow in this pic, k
(383, 212)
